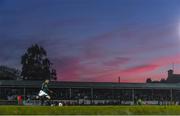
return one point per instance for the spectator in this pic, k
(19, 98)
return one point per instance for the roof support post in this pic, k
(152, 94)
(133, 96)
(171, 96)
(113, 96)
(92, 94)
(70, 93)
(0, 91)
(24, 93)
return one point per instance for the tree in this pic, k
(7, 73)
(163, 80)
(36, 65)
(148, 80)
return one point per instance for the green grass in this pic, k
(90, 110)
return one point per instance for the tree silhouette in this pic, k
(7, 73)
(36, 65)
(163, 80)
(148, 80)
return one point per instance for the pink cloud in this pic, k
(154, 65)
(167, 60)
(93, 46)
(141, 68)
(139, 73)
(93, 52)
(71, 69)
(153, 48)
(96, 46)
(68, 68)
(117, 61)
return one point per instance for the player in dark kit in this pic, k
(44, 92)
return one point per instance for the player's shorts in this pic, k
(42, 93)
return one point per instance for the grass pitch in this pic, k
(90, 110)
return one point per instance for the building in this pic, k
(172, 78)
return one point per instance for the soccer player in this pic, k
(44, 92)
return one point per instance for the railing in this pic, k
(87, 102)
(8, 102)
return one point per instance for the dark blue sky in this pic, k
(94, 40)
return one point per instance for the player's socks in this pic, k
(42, 101)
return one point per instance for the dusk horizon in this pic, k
(95, 40)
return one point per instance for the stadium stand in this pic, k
(86, 93)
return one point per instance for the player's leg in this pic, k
(48, 99)
(41, 97)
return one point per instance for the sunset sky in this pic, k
(95, 40)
